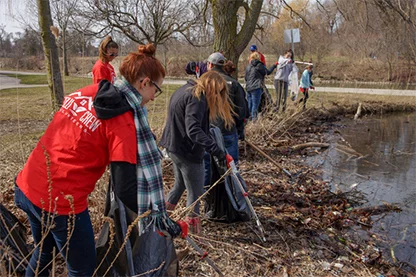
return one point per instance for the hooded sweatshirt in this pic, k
(283, 69)
(93, 128)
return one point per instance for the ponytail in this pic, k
(104, 46)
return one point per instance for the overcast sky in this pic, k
(10, 9)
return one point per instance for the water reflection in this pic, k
(385, 172)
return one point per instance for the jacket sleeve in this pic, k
(243, 111)
(261, 69)
(123, 176)
(270, 71)
(194, 114)
(240, 101)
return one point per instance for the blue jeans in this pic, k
(79, 253)
(231, 144)
(253, 98)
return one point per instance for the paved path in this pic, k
(396, 92)
(9, 82)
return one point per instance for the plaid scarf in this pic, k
(150, 194)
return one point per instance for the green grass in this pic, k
(30, 79)
(35, 103)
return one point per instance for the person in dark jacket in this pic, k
(186, 138)
(255, 73)
(216, 62)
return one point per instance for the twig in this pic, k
(129, 229)
(203, 195)
(269, 158)
(151, 270)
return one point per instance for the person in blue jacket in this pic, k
(305, 84)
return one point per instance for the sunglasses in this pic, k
(112, 55)
(159, 91)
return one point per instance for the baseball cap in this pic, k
(216, 58)
(253, 47)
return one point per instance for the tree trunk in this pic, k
(65, 52)
(51, 54)
(225, 19)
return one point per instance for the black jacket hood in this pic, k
(109, 101)
(255, 62)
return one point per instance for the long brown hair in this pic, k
(214, 87)
(142, 64)
(104, 46)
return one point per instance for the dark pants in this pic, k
(253, 99)
(231, 144)
(190, 176)
(281, 93)
(79, 253)
(305, 92)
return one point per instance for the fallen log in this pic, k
(268, 157)
(308, 145)
(375, 210)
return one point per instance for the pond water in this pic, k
(385, 173)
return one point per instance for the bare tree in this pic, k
(143, 21)
(51, 54)
(383, 29)
(63, 11)
(231, 35)
(5, 41)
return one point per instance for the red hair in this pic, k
(142, 64)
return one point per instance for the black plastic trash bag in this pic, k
(13, 237)
(149, 252)
(225, 202)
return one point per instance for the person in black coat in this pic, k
(186, 138)
(255, 73)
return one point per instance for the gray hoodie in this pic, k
(283, 69)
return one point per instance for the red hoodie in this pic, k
(74, 152)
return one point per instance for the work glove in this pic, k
(173, 229)
(220, 155)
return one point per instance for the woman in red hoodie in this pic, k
(102, 69)
(98, 125)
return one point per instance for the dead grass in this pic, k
(293, 247)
